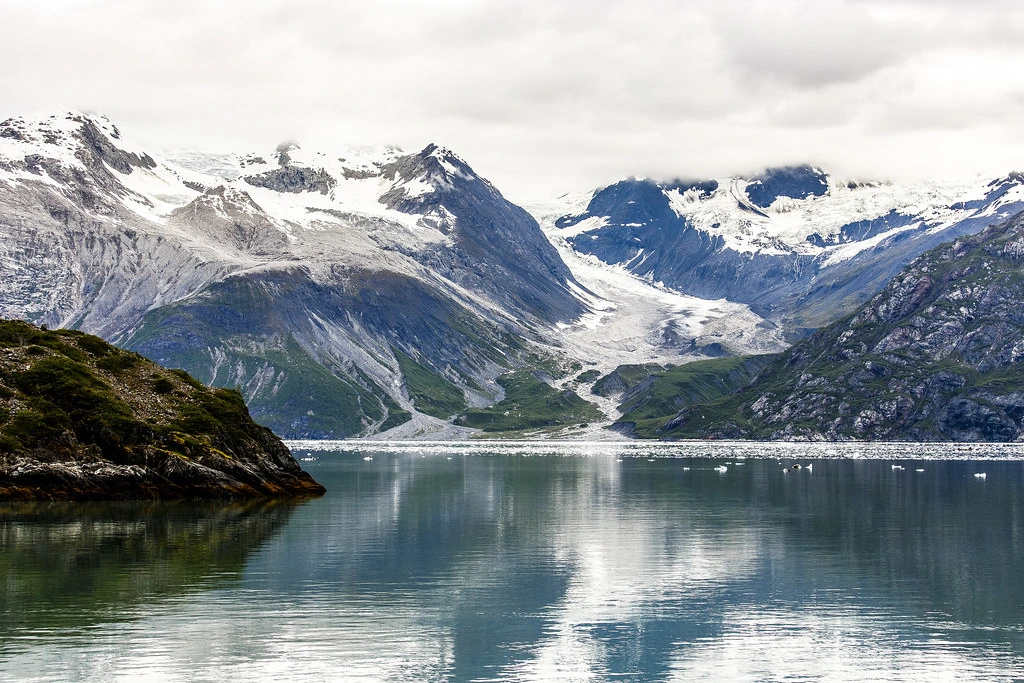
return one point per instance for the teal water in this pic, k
(540, 562)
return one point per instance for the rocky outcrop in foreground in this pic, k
(938, 355)
(83, 420)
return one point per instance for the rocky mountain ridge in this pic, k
(935, 356)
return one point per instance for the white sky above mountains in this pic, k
(544, 96)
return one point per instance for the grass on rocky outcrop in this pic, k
(57, 382)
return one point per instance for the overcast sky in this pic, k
(544, 96)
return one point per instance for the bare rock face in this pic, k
(82, 420)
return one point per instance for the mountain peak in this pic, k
(441, 161)
(74, 139)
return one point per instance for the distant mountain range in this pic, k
(371, 291)
(935, 356)
(801, 248)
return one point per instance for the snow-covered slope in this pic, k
(799, 246)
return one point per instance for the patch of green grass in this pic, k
(674, 388)
(39, 422)
(93, 345)
(430, 392)
(530, 403)
(219, 412)
(117, 362)
(188, 379)
(91, 408)
(396, 414)
(162, 385)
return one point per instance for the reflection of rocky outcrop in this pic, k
(67, 566)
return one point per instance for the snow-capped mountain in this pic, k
(319, 284)
(799, 246)
(370, 290)
(343, 293)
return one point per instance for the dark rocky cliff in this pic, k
(82, 420)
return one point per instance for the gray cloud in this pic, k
(545, 96)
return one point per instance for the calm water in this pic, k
(539, 562)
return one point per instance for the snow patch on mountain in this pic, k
(785, 226)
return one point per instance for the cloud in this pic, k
(541, 96)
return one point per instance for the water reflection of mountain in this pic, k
(524, 565)
(67, 566)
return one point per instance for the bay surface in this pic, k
(523, 562)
